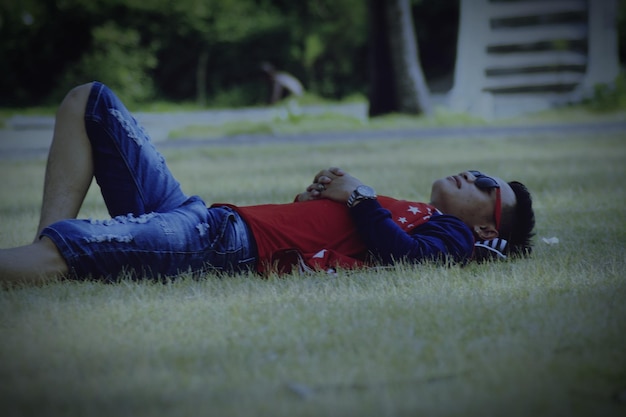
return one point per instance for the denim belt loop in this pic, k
(244, 233)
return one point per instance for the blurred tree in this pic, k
(327, 44)
(37, 38)
(397, 81)
(211, 50)
(335, 53)
(212, 32)
(621, 29)
(116, 58)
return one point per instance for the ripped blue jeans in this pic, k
(155, 229)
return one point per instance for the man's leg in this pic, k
(36, 263)
(69, 170)
(133, 176)
(94, 136)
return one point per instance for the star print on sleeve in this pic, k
(409, 214)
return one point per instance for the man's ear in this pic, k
(486, 232)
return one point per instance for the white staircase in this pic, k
(519, 56)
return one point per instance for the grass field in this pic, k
(538, 337)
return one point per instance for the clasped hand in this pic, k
(332, 183)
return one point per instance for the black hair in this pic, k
(521, 223)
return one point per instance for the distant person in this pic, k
(282, 84)
(156, 229)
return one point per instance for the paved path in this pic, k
(30, 137)
(412, 133)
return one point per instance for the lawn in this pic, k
(539, 337)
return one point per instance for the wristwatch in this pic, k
(362, 192)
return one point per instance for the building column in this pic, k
(602, 53)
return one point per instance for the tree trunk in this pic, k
(397, 82)
(382, 97)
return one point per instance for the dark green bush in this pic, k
(609, 97)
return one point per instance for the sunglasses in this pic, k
(486, 183)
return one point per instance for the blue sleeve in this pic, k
(443, 236)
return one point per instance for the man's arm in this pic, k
(442, 237)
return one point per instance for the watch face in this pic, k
(366, 191)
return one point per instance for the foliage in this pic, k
(621, 29)
(609, 97)
(184, 48)
(319, 41)
(37, 39)
(117, 59)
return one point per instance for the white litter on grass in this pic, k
(550, 240)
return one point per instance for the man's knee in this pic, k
(75, 100)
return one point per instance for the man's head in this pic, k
(483, 201)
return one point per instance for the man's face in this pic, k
(459, 196)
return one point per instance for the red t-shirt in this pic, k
(318, 234)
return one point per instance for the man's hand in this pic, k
(320, 183)
(332, 183)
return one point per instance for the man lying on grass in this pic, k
(157, 230)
